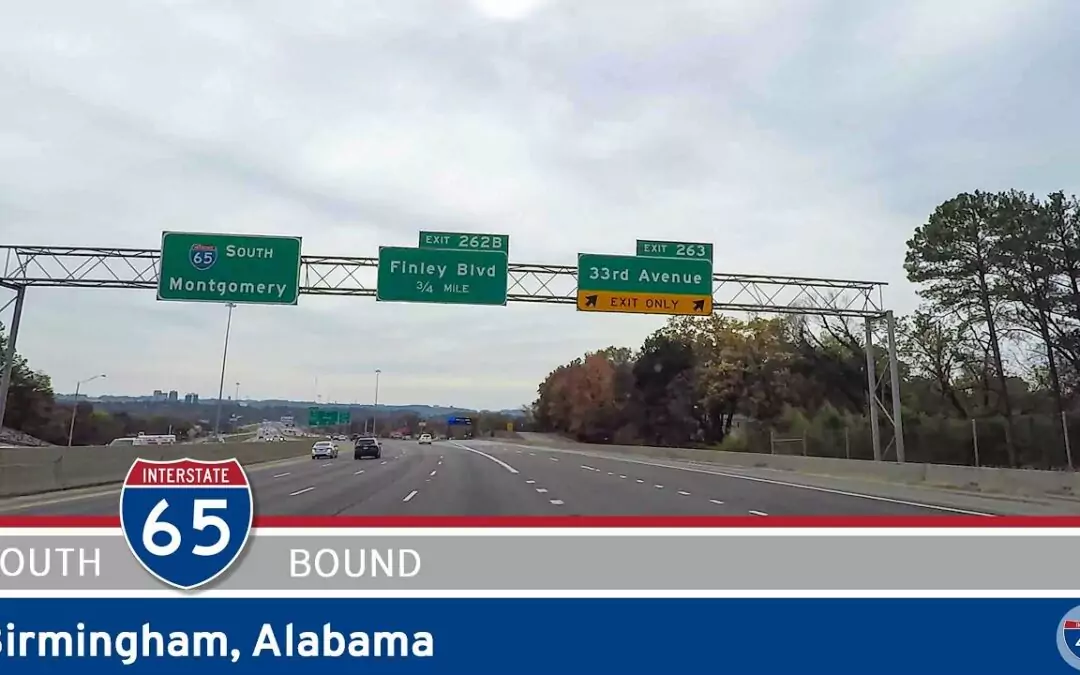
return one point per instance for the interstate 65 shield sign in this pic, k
(186, 520)
(202, 256)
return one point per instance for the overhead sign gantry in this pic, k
(674, 286)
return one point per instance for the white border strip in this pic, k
(406, 532)
(545, 594)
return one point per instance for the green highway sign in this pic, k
(467, 241)
(674, 249)
(240, 268)
(636, 274)
(327, 417)
(442, 276)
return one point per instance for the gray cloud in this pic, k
(802, 137)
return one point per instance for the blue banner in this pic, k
(564, 637)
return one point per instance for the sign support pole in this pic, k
(9, 353)
(224, 360)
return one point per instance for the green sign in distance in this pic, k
(441, 276)
(636, 274)
(674, 249)
(466, 241)
(241, 268)
(327, 417)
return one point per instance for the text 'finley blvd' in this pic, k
(439, 271)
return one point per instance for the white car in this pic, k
(324, 450)
(425, 439)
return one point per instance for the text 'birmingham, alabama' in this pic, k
(273, 641)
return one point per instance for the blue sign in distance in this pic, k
(1068, 637)
(459, 420)
(187, 520)
(203, 256)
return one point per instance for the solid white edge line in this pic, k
(751, 531)
(484, 454)
(542, 593)
(770, 481)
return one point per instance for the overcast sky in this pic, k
(804, 137)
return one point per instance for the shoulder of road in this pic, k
(1058, 490)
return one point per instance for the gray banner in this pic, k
(510, 562)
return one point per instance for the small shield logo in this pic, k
(203, 256)
(186, 520)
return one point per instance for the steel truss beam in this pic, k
(93, 267)
(96, 267)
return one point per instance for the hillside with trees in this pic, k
(33, 410)
(989, 361)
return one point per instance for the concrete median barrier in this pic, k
(1013, 482)
(27, 471)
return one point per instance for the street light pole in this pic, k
(224, 360)
(75, 406)
(236, 396)
(375, 415)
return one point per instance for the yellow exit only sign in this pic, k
(644, 303)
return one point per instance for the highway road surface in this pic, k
(493, 478)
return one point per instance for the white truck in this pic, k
(146, 439)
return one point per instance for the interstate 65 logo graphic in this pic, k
(203, 256)
(1068, 637)
(186, 520)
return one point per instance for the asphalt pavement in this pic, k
(492, 478)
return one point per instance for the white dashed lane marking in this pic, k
(282, 475)
(758, 513)
(357, 473)
(300, 492)
(410, 496)
(433, 472)
(640, 481)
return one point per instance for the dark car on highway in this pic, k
(367, 446)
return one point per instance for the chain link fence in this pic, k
(1041, 441)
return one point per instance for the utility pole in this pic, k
(375, 414)
(75, 405)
